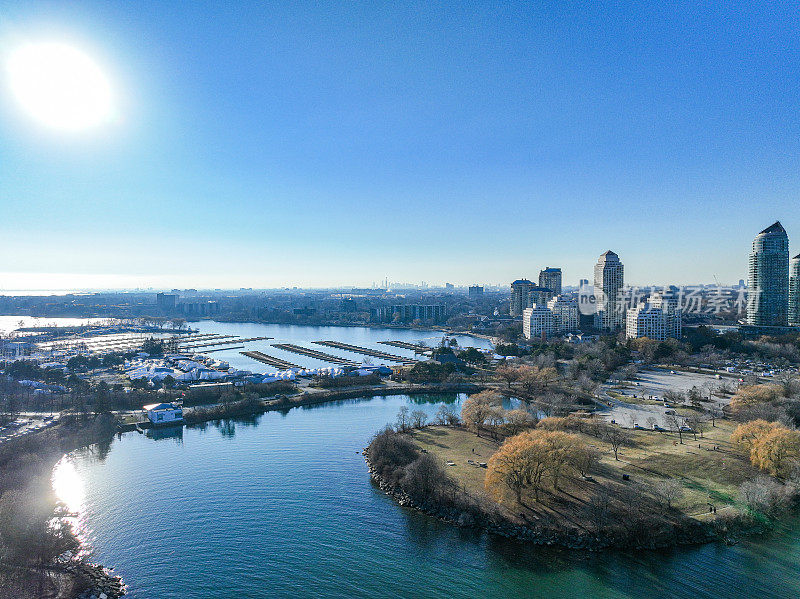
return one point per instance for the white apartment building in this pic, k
(669, 303)
(537, 322)
(565, 313)
(646, 320)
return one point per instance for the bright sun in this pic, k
(59, 86)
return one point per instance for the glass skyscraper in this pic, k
(768, 278)
(794, 291)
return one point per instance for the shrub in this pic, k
(422, 477)
(389, 453)
(764, 495)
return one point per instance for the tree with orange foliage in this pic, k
(524, 460)
(508, 373)
(746, 435)
(777, 452)
(563, 452)
(754, 395)
(536, 378)
(478, 408)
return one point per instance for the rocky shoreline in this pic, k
(693, 533)
(102, 582)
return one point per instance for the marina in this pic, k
(312, 353)
(101, 343)
(367, 352)
(269, 360)
(235, 340)
(417, 348)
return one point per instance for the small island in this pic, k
(584, 483)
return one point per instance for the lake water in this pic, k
(282, 506)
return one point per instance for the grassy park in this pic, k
(708, 471)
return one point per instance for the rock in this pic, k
(465, 520)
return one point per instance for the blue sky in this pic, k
(317, 144)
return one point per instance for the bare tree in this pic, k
(668, 491)
(518, 420)
(790, 383)
(674, 397)
(403, 421)
(675, 425)
(714, 411)
(418, 418)
(508, 373)
(698, 423)
(617, 437)
(445, 416)
(764, 494)
(599, 506)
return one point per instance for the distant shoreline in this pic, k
(211, 412)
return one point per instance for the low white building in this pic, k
(164, 413)
(537, 322)
(565, 313)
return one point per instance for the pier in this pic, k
(173, 342)
(121, 341)
(416, 348)
(211, 351)
(235, 340)
(367, 351)
(312, 353)
(272, 361)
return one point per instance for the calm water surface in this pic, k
(281, 506)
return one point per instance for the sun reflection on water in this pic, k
(68, 486)
(69, 491)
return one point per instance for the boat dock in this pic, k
(173, 342)
(312, 353)
(122, 341)
(271, 360)
(211, 351)
(416, 348)
(367, 351)
(232, 341)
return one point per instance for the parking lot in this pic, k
(657, 381)
(627, 412)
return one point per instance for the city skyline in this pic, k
(328, 143)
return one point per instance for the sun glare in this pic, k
(59, 85)
(67, 485)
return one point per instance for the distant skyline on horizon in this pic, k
(322, 145)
